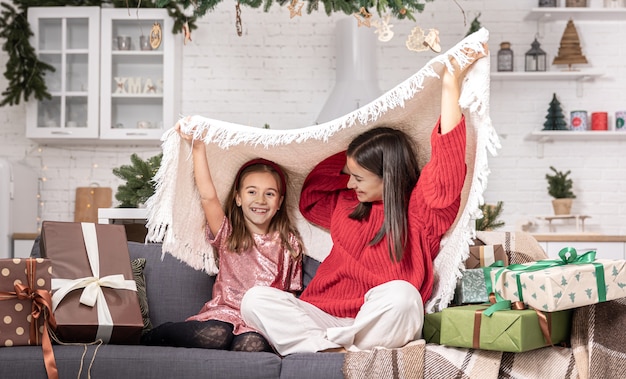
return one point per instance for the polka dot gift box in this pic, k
(24, 290)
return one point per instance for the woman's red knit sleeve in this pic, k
(322, 188)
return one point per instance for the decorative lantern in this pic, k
(535, 58)
(505, 57)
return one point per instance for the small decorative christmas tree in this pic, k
(555, 120)
(139, 184)
(569, 50)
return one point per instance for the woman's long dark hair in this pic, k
(390, 154)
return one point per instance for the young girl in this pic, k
(256, 245)
(386, 227)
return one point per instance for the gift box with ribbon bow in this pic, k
(26, 306)
(93, 291)
(557, 284)
(513, 330)
(485, 255)
(474, 285)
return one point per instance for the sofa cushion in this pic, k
(138, 266)
(175, 290)
(126, 361)
(312, 366)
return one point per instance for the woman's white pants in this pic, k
(391, 316)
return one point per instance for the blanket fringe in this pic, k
(175, 216)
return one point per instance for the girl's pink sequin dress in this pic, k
(266, 264)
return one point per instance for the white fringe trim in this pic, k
(176, 219)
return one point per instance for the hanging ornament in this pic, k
(418, 41)
(295, 8)
(363, 17)
(186, 33)
(238, 19)
(383, 29)
(155, 35)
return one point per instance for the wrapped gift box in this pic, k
(562, 287)
(486, 255)
(471, 288)
(18, 327)
(509, 330)
(432, 327)
(94, 294)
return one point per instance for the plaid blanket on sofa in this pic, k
(598, 351)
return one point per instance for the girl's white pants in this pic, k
(392, 316)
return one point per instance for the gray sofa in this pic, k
(175, 291)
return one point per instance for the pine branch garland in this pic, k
(26, 72)
(490, 221)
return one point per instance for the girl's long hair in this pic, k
(241, 239)
(390, 154)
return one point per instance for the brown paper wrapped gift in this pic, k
(485, 255)
(93, 291)
(26, 306)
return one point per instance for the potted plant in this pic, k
(560, 188)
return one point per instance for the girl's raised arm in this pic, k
(213, 211)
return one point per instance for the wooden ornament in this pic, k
(156, 35)
(295, 8)
(570, 51)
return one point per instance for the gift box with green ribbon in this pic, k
(432, 327)
(558, 284)
(472, 288)
(470, 326)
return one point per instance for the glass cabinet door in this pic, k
(67, 38)
(139, 83)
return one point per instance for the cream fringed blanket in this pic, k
(175, 216)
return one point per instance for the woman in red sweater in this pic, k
(370, 289)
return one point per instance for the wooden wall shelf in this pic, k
(577, 14)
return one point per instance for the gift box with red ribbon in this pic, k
(557, 284)
(26, 306)
(93, 291)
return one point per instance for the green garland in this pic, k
(26, 74)
(24, 71)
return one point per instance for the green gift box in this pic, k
(471, 288)
(432, 327)
(508, 330)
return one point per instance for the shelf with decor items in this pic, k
(579, 76)
(546, 14)
(582, 75)
(569, 135)
(67, 38)
(103, 91)
(140, 81)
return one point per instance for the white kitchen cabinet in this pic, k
(67, 38)
(102, 92)
(140, 84)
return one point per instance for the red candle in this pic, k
(599, 121)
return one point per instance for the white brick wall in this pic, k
(281, 71)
